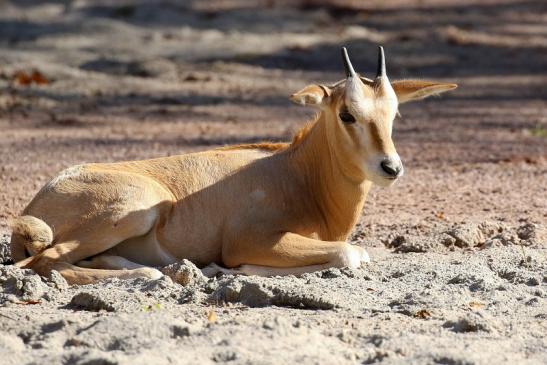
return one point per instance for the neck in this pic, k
(336, 196)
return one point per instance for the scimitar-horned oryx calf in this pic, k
(263, 209)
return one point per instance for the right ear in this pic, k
(312, 95)
(409, 90)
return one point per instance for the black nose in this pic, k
(390, 168)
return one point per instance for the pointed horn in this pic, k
(381, 63)
(350, 72)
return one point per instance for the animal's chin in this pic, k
(383, 181)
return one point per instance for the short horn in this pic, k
(381, 72)
(350, 72)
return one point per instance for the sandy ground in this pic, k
(458, 275)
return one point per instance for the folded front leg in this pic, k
(289, 254)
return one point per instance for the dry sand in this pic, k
(458, 246)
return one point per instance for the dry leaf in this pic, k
(212, 316)
(27, 302)
(22, 78)
(423, 314)
(476, 305)
(39, 78)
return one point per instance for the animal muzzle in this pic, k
(392, 167)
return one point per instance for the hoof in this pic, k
(151, 273)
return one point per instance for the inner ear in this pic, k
(409, 90)
(312, 95)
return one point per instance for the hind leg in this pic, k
(100, 268)
(61, 256)
(111, 262)
(83, 242)
(108, 266)
(87, 243)
(83, 275)
(91, 213)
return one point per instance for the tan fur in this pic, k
(265, 146)
(265, 209)
(30, 234)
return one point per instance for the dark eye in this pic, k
(346, 117)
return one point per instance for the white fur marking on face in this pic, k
(354, 90)
(356, 101)
(65, 175)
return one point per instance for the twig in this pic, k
(3, 315)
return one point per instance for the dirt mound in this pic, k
(262, 292)
(482, 235)
(26, 286)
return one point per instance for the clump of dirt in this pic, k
(411, 243)
(5, 252)
(185, 273)
(92, 302)
(20, 284)
(57, 280)
(472, 234)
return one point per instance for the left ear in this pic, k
(311, 95)
(409, 90)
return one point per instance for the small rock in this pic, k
(32, 288)
(331, 273)
(458, 279)
(185, 273)
(495, 242)
(410, 243)
(539, 293)
(475, 283)
(527, 232)
(57, 280)
(466, 235)
(489, 229)
(5, 251)
(181, 330)
(224, 356)
(91, 302)
(534, 302)
(21, 282)
(54, 326)
(162, 283)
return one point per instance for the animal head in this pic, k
(359, 114)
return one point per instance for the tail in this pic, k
(30, 236)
